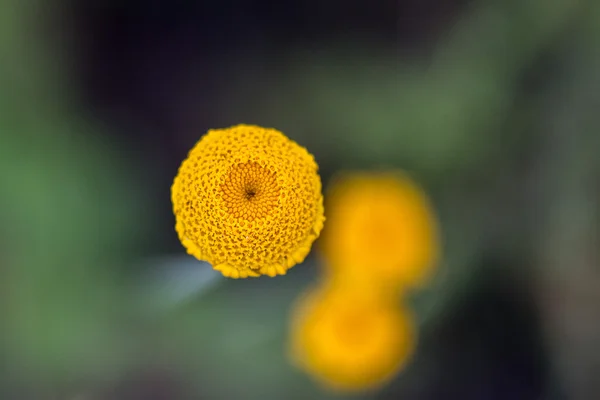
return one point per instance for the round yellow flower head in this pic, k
(380, 225)
(349, 340)
(248, 200)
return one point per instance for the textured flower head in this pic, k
(248, 200)
(349, 340)
(381, 226)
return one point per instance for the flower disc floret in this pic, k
(349, 340)
(380, 224)
(248, 200)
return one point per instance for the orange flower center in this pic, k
(250, 191)
(352, 329)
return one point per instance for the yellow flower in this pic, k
(350, 340)
(248, 200)
(380, 226)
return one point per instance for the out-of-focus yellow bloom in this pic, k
(380, 225)
(350, 340)
(248, 200)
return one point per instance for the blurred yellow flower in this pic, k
(248, 200)
(350, 340)
(380, 226)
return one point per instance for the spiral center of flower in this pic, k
(250, 191)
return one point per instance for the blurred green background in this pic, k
(491, 105)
